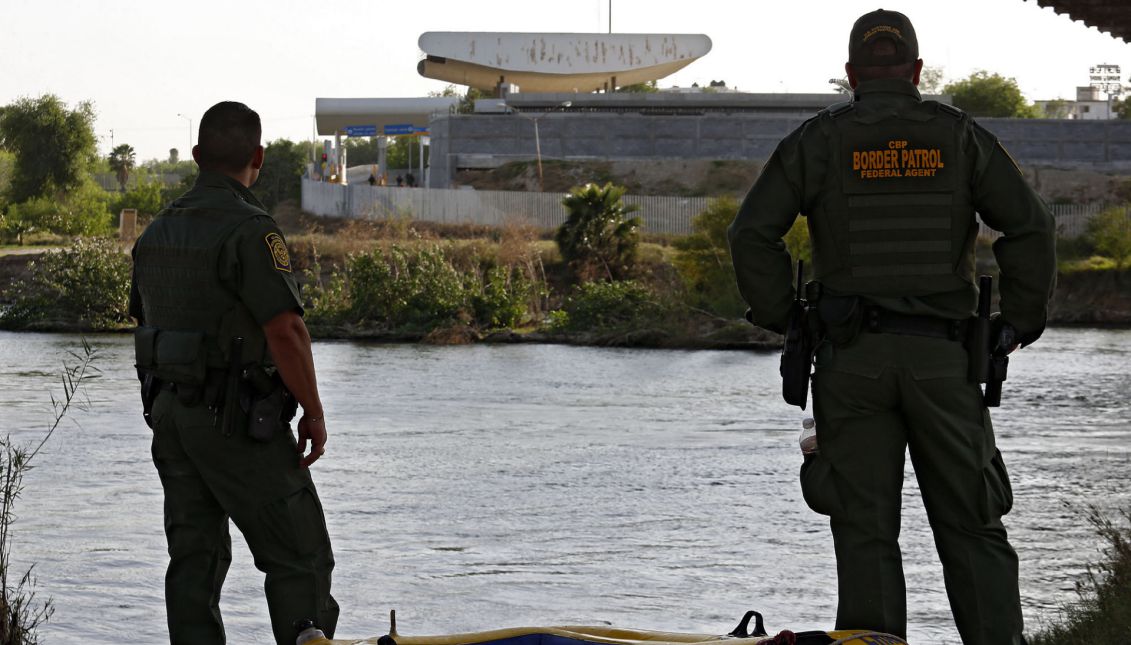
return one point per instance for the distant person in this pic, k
(889, 185)
(400, 180)
(220, 320)
(410, 180)
(372, 179)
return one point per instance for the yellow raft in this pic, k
(588, 635)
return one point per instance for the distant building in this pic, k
(1088, 106)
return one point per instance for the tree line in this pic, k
(49, 157)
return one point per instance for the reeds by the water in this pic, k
(21, 611)
(1102, 615)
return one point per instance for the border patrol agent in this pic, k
(889, 185)
(216, 301)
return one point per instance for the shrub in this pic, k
(597, 306)
(703, 260)
(1110, 233)
(82, 211)
(86, 285)
(146, 196)
(1103, 614)
(424, 287)
(598, 239)
(400, 286)
(504, 297)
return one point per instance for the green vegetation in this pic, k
(1122, 107)
(1110, 234)
(281, 176)
(1103, 614)
(1104, 246)
(81, 211)
(985, 94)
(85, 286)
(704, 263)
(598, 240)
(609, 306)
(649, 87)
(54, 146)
(424, 286)
(147, 196)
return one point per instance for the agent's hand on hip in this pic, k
(314, 429)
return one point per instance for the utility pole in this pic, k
(537, 138)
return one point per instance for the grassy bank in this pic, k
(402, 280)
(405, 281)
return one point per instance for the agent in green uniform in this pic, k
(889, 185)
(212, 277)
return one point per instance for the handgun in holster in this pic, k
(269, 405)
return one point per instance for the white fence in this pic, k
(661, 214)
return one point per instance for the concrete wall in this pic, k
(485, 141)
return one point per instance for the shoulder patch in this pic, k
(278, 249)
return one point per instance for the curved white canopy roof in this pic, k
(556, 62)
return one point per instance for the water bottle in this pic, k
(808, 438)
(309, 634)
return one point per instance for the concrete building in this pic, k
(1090, 105)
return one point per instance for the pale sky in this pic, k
(143, 62)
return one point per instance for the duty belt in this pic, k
(882, 321)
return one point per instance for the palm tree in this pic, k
(122, 162)
(599, 237)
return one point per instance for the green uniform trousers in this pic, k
(209, 478)
(874, 399)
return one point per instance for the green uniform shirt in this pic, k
(791, 183)
(254, 262)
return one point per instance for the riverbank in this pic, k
(1086, 296)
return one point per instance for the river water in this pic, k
(476, 487)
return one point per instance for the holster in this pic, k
(150, 387)
(797, 354)
(269, 405)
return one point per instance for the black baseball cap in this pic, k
(890, 25)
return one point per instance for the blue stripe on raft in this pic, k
(537, 639)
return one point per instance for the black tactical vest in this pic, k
(895, 217)
(190, 315)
